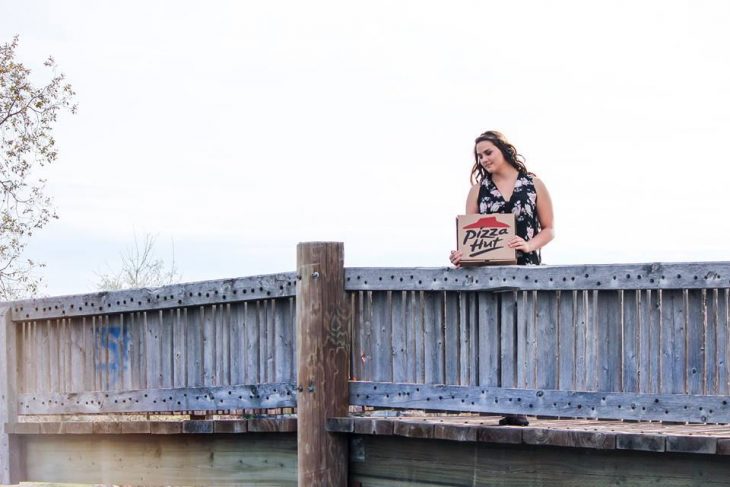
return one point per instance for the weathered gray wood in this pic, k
(53, 355)
(209, 345)
(565, 351)
(262, 310)
(252, 343)
(431, 337)
(592, 340)
(672, 363)
(413, 336)
(645, 339)
(167, 327)
(473, 352)
(270, 341)
(153, 349)
(357, 332)
(581, 324)
(381, 343)
(195, 347)
(523, 345)
(631, 340)
(265, 396)
(238, 346)
(488, 339)
(656, 337)
(451, 327)
(10, 454)
(399, 328)
(507, 339)
(712, 359)
(530, 311)
(610, 276)
(696, 342)
(419, 324)
(546, 321)
(179, 349)
(609, 312)
(613, 405)
(166, 297)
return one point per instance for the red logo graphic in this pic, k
(487, 222)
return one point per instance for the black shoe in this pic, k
(514, 420)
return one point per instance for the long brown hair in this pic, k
(509, 152)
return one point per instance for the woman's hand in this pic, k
(455, 258)
(519, 243)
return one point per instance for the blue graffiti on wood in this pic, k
(111, 345)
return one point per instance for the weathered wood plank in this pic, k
(264, 396)
(564, 354)
(473, 351)
(489, 340)
(631, 340)
(581, 345)
(523, 343)
(507, 339)
(196, 354)
(451, 328)
(270, 341)
(10, 448)
(627, 276)
(419, 327)
(381, 343)
(608, 340)
(209, 345)
(399, 330)
(608, 405)
(546, 320)
(154, 459)
(153, 348)
(174, 296)
(656, 340)
(696, 368)
(252, 343)
(167, 358)
(179, 348)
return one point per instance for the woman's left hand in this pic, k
(519, 243)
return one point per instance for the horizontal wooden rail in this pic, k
(695, 275)
(258, 396)
(173, 296)
(573, 404)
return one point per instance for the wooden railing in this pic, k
(638, 341)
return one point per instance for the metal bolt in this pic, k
(315, 274)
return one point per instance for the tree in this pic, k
(140, 268)
(28, 114)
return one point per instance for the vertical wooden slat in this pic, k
(451, 338)
(712, 342)
(237, 343)
(430, 340)
(153, 352)
(507, 339)
(261, 308)
(488, 339)
(179, 349)
(220, 346)
(252, 343)
(672, 362)
(283, 339)
(565, 352)
(696, 336)
(419, 323)
(381, 350)
(270, 341)
(209, 352)
(412, 337)
(532, 339)
(464, 339)
(473, 352)
(366, 335)
(546, 321)
(609, 312)
(54, 358)
(646, 339)
(523, 343)
(631, 341)
(195, 346)
(132, 321)
(717, 315)
(591, 377)
(579, 304)
(76, 355)
(10, 447)
(355, 347)
(399, 330)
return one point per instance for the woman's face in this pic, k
(490, 157)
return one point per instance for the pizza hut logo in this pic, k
(484, 235)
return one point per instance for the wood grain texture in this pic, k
(154, 459)
(11, 464)
(323, 362)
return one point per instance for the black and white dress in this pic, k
(523, 204)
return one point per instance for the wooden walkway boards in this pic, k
(578, 433)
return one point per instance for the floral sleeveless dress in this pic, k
(522, 204)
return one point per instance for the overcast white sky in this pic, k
(238, 129)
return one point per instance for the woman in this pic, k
(501, 184)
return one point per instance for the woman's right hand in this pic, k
(455, 258)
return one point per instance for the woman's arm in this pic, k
(545, 216)
(472, 205)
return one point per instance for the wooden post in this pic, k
(10, 470)
(323, 354)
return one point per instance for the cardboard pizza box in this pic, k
(483, 239)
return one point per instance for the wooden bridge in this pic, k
(376, 376)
